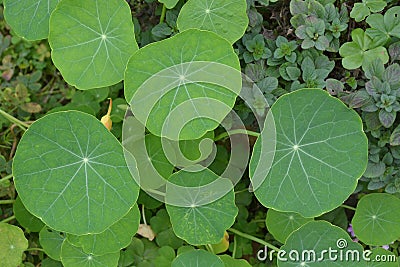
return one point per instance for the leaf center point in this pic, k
(103, 37)
(295, 147)
(208, 11)
(85, 160)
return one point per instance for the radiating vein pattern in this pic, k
(97, 39)
(204, 224)
(321, 151)
(29, 19)
(199, 64)
(224, 17)
(74, 176)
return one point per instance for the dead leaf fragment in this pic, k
(146, 231)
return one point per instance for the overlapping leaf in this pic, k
(94, 44)
(226, 18)
(308, 246)
(12, 245)
(319, 154)
(282, 224)
(72, 256)
(70, 171)
(197, 79)
(377, 219)
(113, 239)
(29, 19)
(197, 258)
(204, 223)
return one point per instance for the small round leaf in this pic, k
(309, 246)
(282, 224)
(377, 219)
(203, 224)
(94, 44)
(197, 258)
(321, 152)
(70, 172)
(227, 18)
(72, 256)
(113, 239)
(12, 245)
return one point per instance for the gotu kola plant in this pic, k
(72, 174)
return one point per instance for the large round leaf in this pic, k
(72, 256)
(321, 151)
(113, 239)
(12, 245)
(377, 219)
(282, 224)
(227, 18)
(29, 19)
(203, 224)
(25, 218)
(197, 258)
(70, 171)
(93, 45)
(195, 82)
(319, 243)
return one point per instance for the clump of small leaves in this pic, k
(318, 23)
(256, 49)
(384, 88)
(285, 49)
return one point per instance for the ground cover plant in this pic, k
(199, 133)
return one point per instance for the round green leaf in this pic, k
(70, 172)
(203, 224)
(377, 219)
(49, 262)
(113, 239)
(12, 245)
(321, 151)
(72, 256)
(29, 19)
(311, 243)
(197, 79)
(282, 224)
(51, 242)
(93, 45)
(227, 18)
(25, 218)
(197, 258)
(231, 262)
(382, 258)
